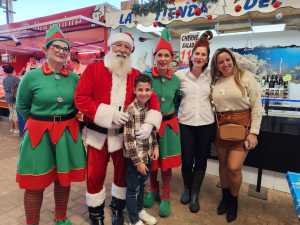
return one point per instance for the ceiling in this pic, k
(289, 16)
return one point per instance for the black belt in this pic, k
(54, 118)
(103, 130)
(168, 117)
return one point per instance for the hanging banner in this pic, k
(96, 12)
(188, 10)
(187, 42)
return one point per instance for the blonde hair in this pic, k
(237, 73)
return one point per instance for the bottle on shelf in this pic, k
(262, 85)
(272, 86)
(281, 88)
(276, 86)
(285, 89)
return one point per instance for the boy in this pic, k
(10, 85)
(137, 153)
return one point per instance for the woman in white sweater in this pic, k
(237, 99)
(196, 118)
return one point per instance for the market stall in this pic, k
(273, 55)
(84, 28)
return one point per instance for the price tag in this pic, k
(287, 77)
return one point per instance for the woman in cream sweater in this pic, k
(237, 99)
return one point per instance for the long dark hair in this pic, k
(237, 73)
(203, 41)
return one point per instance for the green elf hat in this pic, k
(54, 33)
(164, 42)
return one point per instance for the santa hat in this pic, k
(122, 36)
(164, 42)
(203, 41)
(54, 33)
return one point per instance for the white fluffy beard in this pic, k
(117, 63)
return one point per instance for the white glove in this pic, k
(145, 131)
(120, 118)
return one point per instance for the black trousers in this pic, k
(195, 146)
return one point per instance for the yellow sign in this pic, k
(287, 77)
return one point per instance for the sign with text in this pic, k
(187, 42)
(188, 11)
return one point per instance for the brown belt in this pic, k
(236, 117)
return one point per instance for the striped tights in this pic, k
(33, 201)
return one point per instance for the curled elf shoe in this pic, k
(63, 222)
(149, 199)
(164, 208)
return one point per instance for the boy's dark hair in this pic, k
(8, 68)
(142, 78)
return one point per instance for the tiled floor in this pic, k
(277, 210)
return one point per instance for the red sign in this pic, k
(94, 12)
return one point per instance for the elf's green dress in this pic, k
(50, 150)
(169, 138)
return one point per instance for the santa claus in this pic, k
(104, 91)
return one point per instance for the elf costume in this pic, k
(51, 150)
(167, 88)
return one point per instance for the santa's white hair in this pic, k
(118, 63)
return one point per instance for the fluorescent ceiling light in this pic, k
(269, 28)
(235, 33)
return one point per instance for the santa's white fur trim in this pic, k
(104, 115)
(118, 192)
(120, 37)
(94, 200)
(115, 142)
(154, 117)
(93, 138)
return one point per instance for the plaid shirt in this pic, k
(137, 150)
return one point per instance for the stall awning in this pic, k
(84, 28)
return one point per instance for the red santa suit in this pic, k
(99, 93)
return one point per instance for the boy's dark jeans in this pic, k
(135, 191)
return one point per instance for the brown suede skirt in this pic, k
(236, 117)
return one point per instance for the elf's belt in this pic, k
(170, 121)
(54, 118)
(168, 117)
(103, 130)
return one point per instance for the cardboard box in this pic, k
(294, 185)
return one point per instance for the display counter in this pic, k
(279, 139)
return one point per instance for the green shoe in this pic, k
(164, 208)
(149, 199)
(63, 222)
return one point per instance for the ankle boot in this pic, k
(196, 185)
(96, 214)
(232, 208)
(117, 206)
(223, 205)
(187, 181)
